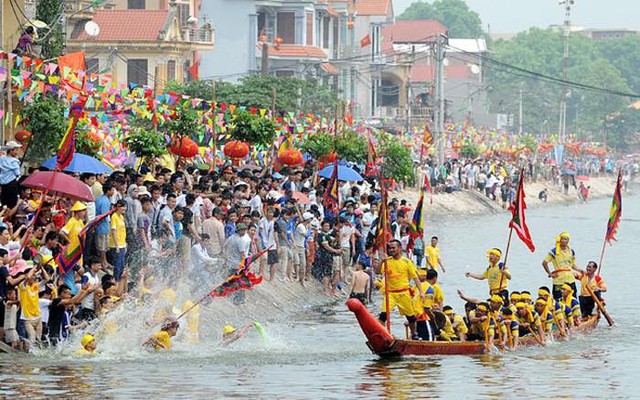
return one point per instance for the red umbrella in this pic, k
(60, 184)
(582, 178)
(301, 198)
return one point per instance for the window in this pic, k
(135, 4)
(284, 73)
(309, 29)
(286, 27)
(137, 71)
(93, 65)
(325, 32)
(265, 26)
(183, 14)
(171, 70)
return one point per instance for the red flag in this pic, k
(194, 71)
(615, 212)
(67, 147)
(427, 184)
(383, 227)
(365, 41)
(243, 279)
(518, 220)
(331, 196)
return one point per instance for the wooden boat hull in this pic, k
(386, 345)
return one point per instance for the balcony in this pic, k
(203, 35)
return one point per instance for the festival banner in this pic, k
(518, 222)
(615, 213)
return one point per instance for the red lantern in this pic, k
(236, 149)
(184, 147)
(291, 157)
(23, 136)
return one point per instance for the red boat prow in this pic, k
(384, 344)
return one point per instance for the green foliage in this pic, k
(455, 15)
(292, 94)
(622, 130)
(253, 129)
(52, 42)
(397, 163)
(542, 51)
(86, 145)
(529, 141)
(470, 150)
(318, 145)
(185, 123)
(44, 118)
(143, 140)
(351, 146)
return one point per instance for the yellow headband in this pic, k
(497, 252)
(482, 307)
(560, 236)
(497, 299)
(566, 286)
(521, 304)
(543, 292)
(541, 301)
(525, 296)
(515, 296)
(448, 312)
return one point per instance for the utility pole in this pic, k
(439, 138)
(520, 114)
(265, 59)
(562, 125)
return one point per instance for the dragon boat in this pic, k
(385, 345)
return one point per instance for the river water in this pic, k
(321, 354)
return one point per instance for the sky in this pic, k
(511, 16)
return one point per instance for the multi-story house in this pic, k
(141, 42)
(280, 37)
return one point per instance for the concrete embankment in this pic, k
(473, 202)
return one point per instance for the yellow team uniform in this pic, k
(438, 295)
(163, 339)
(418, 304)
(28, 295)
(433, 256)
(84, 352)
(398, 272)
(117, 223)
(563, 261)
(72, 229)
(493, 274)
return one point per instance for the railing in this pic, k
(200, 35)
(84, 6)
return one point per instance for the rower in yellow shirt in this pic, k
(496, 274)
(433, 255)
(563, 259)
(546, 317)
(529, 322)
(399, 270)
(455, 328)
(89, 346)
(161, 340)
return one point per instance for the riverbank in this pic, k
(473, 202)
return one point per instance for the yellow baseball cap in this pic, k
(227, 329)
(86, 339)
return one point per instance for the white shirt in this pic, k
(345, 236)
(256, 204)
(300, 235)
(44, 309)
(87, 302)
(200, 257)
(267, 234)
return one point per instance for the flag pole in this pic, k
(604, 246)
(506, 255)
(384, 263)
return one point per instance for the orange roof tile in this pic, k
(296, 51)
(372, 7)
(406, 31)
(129, 25)
(329, 68)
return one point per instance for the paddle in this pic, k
(600, 305)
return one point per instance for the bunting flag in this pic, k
(427, 185)
(615, 213)
(67, 146)
(243, 279)
(517, 222)
(331, 196)
(69, 257)
(365, 41)
(416, 227)
(194, 71)
(383, 228)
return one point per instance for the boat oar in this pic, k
(599, 304)
(536, 337)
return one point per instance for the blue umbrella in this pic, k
(344, 173)
(80, 163)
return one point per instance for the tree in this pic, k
(542, 51)
(624, 54)
(253, 129)
(397, 163)
(50, 12)
(455, 15)
(351, 146)
(44, 118)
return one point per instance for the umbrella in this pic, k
(302, 198)
(344, 173)
(582, 178)
(61, 184)
(80, 163)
